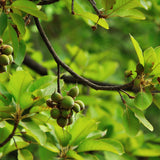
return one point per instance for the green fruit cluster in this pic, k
(63, 108)
(6, 57)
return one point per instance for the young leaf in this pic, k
(63, 136)
(140, 115)
(25, 154)
(74, 155)
(150, 59)
(81, 129)
(34, 131)
(29, 7)
(18, 86)
(143, 100)
(19, 22)
(131, 123)
(3, 22)
(138, 50)
(101, 145)
(156, 100)
(11, 146)
(108, 4)
(93, 17)
(42, 82)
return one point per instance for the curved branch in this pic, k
(67, 68)
(46, 2)
(11, 135)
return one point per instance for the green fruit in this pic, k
(3, 69)
(139, 69)
(62, 122)
(73, 92)
(70, 120)
(76, 107)
(56, 97)
(10, 59)
(82, 106)
(55, 113)
(65, 113)
(6, 49)
(67, 102)
(4, 60)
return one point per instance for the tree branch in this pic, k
(47, 2)
(28, 61)
(67, 68)
(11, 135)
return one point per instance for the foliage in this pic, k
(119, 122)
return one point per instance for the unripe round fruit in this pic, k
(65, 113)
(62, 122)
(82, 106)
(67, 102)
(56, 97)
(76, 107)
(3, 69)
(139, 69)
(10, 59)
(73, 92)
(70, 120)
(6, 49)
(55, 113)
(4, 60)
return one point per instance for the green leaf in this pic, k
(51, 147)
(148, 150)
(150, 59)
(131, 123)
(93, 17)
(74, 155)
(143, 100)
(14, 39)
(29, 7)
(5, 96)
(18, 86)
(21, 53)
(108, 4)
(42, 82)
(63, 136)
(25, 154)
(34, 131)
(81, 129)
(131, 13)
(156, 100)
(125, 4)
(19, 22)
(11, 146)
(3, 22)
(138, 50)
(101, 145)
(140, 115)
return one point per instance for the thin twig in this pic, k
(92, 2)
(67, 68)
(123, 101)
(131, 97)
(72, 7)
(58, 78)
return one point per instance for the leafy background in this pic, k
(102, 55)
